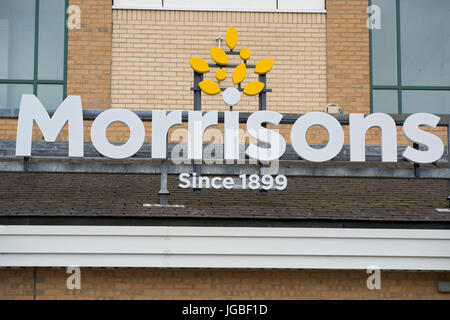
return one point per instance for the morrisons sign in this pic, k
(70, 112)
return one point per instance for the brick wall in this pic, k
(212, 284)
(348, 55)
(151, 52)
(89, 54)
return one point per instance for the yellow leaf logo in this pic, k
(231, 96)
(199, 65)
(231, 38)
(221, 74)
(219, 56)
(264, 66)
(239, 73)
(245, 54)
(209, 87)
(253, 88)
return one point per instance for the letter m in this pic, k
(31, 109)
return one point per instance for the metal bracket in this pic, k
(164, 191)
(416, 165)
(25, 163)
(219, 41)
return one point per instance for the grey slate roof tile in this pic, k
(108, 195)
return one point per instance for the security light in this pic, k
(333, 108)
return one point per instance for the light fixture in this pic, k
(333, 108)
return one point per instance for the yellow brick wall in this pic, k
(151, 52)
(348, 55)
(127, 283)
(89, 55)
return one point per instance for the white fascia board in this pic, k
(212, 247)
(305, 6)
(137, 4)
(221, 4)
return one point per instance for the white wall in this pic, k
(251, 5)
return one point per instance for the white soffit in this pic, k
(216, 247)
(225, 5)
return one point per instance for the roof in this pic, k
(123, 195)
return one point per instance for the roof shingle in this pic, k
(109, 195)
